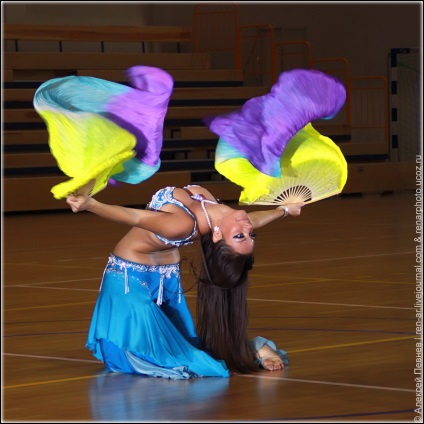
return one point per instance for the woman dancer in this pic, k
(141, 322)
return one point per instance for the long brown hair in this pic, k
(222, 313)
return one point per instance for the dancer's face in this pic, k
(237, 231)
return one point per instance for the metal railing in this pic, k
(215, 29)
(291, 55)
(369, 108)
(254, 53)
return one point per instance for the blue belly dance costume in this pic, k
(141, 322)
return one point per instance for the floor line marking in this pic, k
(330, 383)
(335, 259)
(54, 288)
(56, 358)
(59, 305)
(329, 304)
(352, 344)
(53, 282)
(49, 265)
(321, 280)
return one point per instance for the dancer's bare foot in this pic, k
(269, 359)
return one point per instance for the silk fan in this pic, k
(270, 148)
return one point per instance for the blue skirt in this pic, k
(141, 324)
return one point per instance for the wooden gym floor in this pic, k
(335, 287)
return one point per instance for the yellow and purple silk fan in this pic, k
(101, 131)
(270, 148)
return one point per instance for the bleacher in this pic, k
(29, 169)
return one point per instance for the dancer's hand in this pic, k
(81, 199)
(79, 202)
(294, 209)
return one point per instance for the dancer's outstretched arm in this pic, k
(166, 224)
(262, 218)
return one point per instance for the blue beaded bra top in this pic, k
(163, 197)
